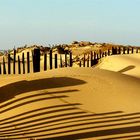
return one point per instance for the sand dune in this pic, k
(99, 103)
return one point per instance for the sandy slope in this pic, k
(73, 103)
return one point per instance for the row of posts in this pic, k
(36, 62)
(88, 60)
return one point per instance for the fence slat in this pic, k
(124, 50)
(14, 62)
(70, 59)
(84, 61)
(9, 64)
(0, 68)
(132, 50)
(137, 50)
(50, 59)
(19, 67)
(88, 61)
(61, 65)
(4, 66)
(45, 61)
(28, 62)
(91, 58)
(66, 60)
(23, 63)
(55, 61)
(36, 60)
(128, 50)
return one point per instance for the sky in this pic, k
(45, 22)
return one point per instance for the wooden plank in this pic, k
(19, 66)
(55, 61)
(9, 64)
(0, 69)
(61, 65)
(4, 66)
(45, 61)
(51, 59)
(23, 63)
(36, 60)
(14, 62)
(66, 60)
(84, 61)
(71, 59)
(28, 62)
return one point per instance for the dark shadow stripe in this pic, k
(32, 111)
(35, 120)
(35, 100)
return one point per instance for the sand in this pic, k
(73, 103)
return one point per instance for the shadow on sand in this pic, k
(11, 90)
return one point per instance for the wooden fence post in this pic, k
(36, 60)
(108, 52)
(80, 63)
(137, 50)
(28, 62)
(105, 53)
(23, 63)
(91, 59)
(19, 67)
(45, 61)
(70, 59)
(61, 65)
(100, 54)
(14, 62)
(65, 59)
(0, 68)
(123, 50)
(88, 61)
(50, 59)
(55, 61)
(9, 64)
(4, 66)
(128, 50)
(132, 50)
(119, 50)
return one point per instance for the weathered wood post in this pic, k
(9, 64)
(45, 61)
(28, 62)
(137, 50)
(50, 59)
(88, 61)
(80, 63)
(114, 51)
(132, 50)
(91, 59)
(55, 61)
(108, 52)
(70, 59)
(0, 68)
(14, 62)
(84, 61)
(4, 66)
(105, 53)
(36, 60)
(23, 63)
(119, 50)
(65, 59)
(128, 50)
(19, 67)
(61, 65)
(123, 50)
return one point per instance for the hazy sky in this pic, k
(63, 21)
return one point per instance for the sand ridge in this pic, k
(73, 103)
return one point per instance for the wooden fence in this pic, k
(35, 62)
